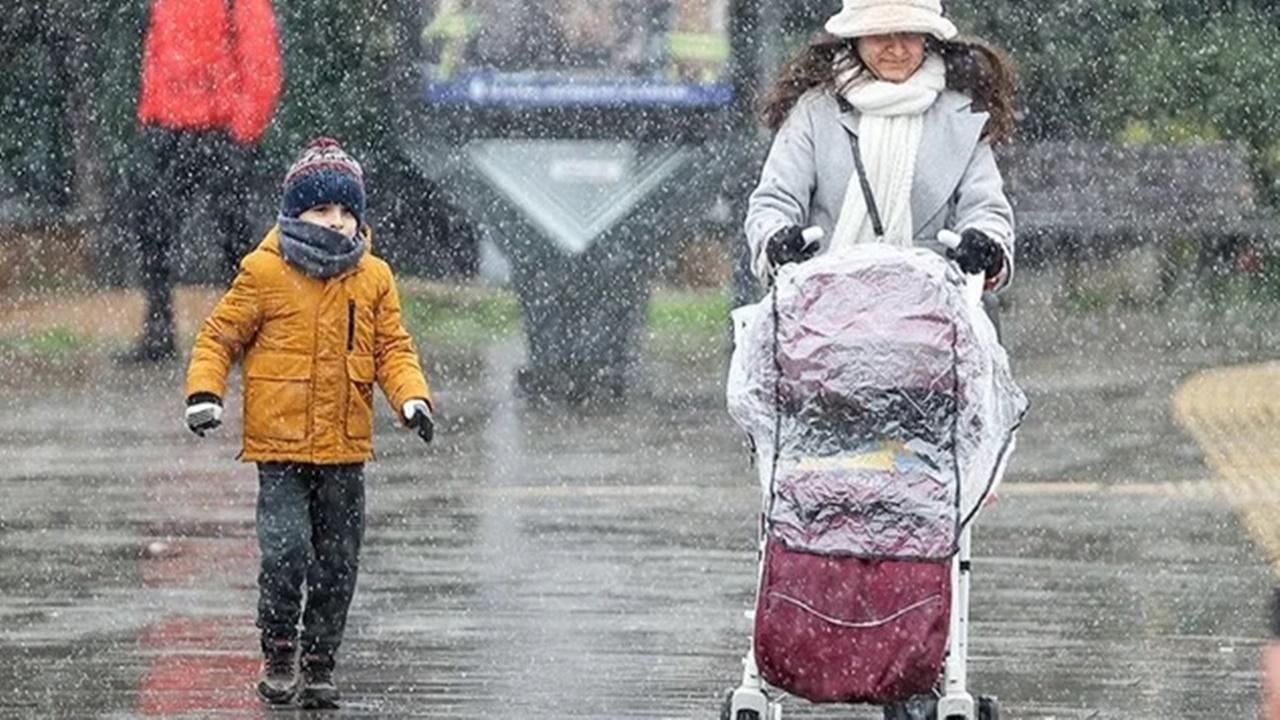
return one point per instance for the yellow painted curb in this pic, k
(1234, 413)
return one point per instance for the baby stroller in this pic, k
(882, 412)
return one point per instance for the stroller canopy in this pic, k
(879, 400)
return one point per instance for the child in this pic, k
(315, 319)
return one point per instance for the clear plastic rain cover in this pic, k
(879, 400)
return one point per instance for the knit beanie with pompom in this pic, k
(323, 174)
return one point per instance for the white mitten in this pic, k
(203, 416)
(417, 415)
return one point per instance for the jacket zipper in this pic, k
(351, 325)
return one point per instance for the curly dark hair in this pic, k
(974, 68)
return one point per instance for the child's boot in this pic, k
(278, 681)
(318, 690)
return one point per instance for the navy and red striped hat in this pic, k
(323, 174)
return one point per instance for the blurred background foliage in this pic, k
(72, 76)
(1138, 71)
(69, 95)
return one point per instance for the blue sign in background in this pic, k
(543, 90)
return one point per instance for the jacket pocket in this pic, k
(277, 395)
(360, 379)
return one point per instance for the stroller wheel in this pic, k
(988, 708)
(917, 708)
(926, 708)
(764, 711)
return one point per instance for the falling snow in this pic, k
(560, 187)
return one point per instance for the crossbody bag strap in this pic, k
(867, 195)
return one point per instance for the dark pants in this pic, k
(177, 168)
(991, 306)
(310, 524)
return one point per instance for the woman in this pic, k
(890, 89)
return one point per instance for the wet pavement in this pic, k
(545, 562)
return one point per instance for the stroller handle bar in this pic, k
(973, 281)
(949, 238)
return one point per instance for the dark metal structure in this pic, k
(587, 163)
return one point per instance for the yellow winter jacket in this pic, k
(312, 350)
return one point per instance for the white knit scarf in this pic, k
(889, 139)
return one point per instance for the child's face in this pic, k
(333, 216)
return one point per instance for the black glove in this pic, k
(204, 412)
(977, 252)
(787, 246)
(417, 415)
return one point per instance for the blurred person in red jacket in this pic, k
(211, 78)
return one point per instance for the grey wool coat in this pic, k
(957, 185)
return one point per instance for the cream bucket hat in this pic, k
(859, 18)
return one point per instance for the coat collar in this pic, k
(951, 131)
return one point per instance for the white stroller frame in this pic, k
(751, 700)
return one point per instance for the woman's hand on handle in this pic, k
(792, 244)
(975, 252)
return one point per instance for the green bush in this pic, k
(51, 343)
(1167, 71)
(1213, 80)
(466, 314)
